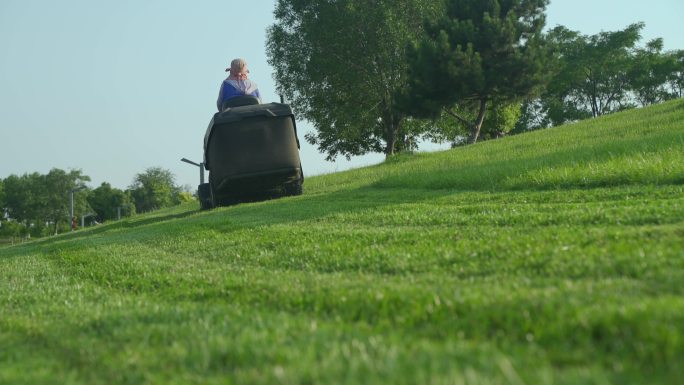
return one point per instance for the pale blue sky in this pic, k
(115, 87)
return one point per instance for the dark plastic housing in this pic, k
(252, 152)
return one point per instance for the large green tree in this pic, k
(56, 192)
(342, 63)
(38, 199)
(676, 76)
(478, 51)
(153, 189)
(649, 72)
(593, 74)
(21, 200)
(108, 202)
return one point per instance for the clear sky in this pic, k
(115, 87)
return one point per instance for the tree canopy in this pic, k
(154, 189)
(676, 78)
(603, 73)
(648, 73)
(39, 204)
(478, 50)
(56, 187)
(341, 65)
(592, 78)
(38, 199)
(108, 202)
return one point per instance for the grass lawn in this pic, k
(553, 257)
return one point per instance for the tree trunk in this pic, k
(475, 128)
(389, 148)
(595, 111)
(392, 123)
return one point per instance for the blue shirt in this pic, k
(231, 88)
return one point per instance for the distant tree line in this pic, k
(35, 205)
(379, 76)
(594, 75)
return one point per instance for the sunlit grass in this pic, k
(550, 257)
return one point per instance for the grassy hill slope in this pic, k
(555, 256)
